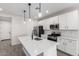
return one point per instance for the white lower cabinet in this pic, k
(68, 45)
(61, 44)
(72, 47)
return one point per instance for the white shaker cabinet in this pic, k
(47, 22)
(54, 20)
(46, 26)
(67, 45)
(61, 44)
(44, 23)
(72, 20)
(62, 21)
(69, 21)
(41, 23)
(72, 47)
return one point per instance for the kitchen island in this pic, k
(33, 47)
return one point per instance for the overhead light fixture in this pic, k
(40, 14)
(24, 22)
(47, 11)
(24, 16)
(39, 8)
(1, 9)
(29, 4)
(30, 19)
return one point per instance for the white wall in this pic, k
(29, 26)
(18, 27)
(4, 29)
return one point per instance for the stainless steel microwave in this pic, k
(54, 26)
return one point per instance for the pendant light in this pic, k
(29, 4)
(24, 16)
(40, 13)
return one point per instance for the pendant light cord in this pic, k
(39, 7)
(29, 10)
(24, 15)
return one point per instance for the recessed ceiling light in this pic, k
(47, 11)
(1, 9)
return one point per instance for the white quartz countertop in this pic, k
(35, 47)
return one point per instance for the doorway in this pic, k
(5, 28)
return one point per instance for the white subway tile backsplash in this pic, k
(67, 33)
(72, 34)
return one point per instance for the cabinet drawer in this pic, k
(72, 51)
(72, 47)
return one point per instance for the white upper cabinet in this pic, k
(68, 45)
(72, 20)
(47, 22)
(69, 21)
(44, 23)
(62, 21)
(40, 23)
(54, 20)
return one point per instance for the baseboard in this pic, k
(65, 52)
(14, 44)
(5, 39)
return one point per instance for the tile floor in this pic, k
(7, 50)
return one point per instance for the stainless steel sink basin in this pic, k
(37, 39)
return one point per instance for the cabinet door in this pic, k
(43, 23)
(68, 45)
(62, 21)
(65, 45)
(72, 47)
(72, 20)
(40, 23)
(61, 44)
(46, 24)
(49, 21)
(55, 20)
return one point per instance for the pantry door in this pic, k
(5, 30)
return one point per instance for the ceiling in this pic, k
(17, 8)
